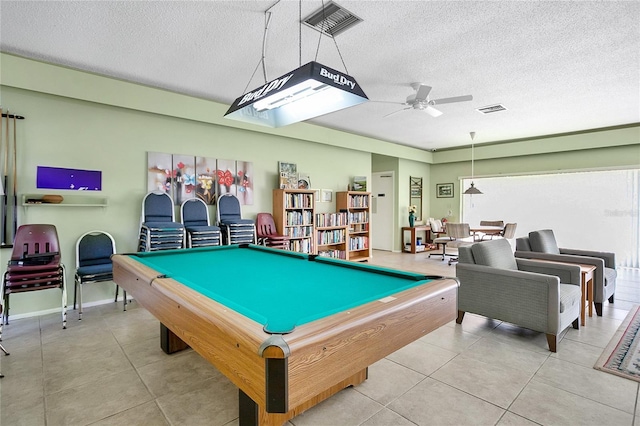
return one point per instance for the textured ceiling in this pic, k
(557, 66)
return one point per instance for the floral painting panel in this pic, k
(226, 177)
(206, 180)
(159, 176)
(244, 182)
(184, 173)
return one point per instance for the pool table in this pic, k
(288, 329)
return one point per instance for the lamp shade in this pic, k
(472, 190)
(307, 92)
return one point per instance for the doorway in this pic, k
(382, 206)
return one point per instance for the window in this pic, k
(595, 210)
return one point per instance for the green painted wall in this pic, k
(81, 120)
(64, 132)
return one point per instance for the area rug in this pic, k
(622, 355)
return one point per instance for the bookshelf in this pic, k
(331, 235)
(293, 213)
(357, 205)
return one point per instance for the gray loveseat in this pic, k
(540, 296)
(542, 245)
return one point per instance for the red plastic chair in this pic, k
(267, 233)
(35, 265)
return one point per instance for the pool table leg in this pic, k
(251, 414)
(169, 342)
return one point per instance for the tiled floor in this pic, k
(109, 370)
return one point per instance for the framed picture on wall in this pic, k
(444, 190)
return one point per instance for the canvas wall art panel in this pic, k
(244, 182)
(226, 177)
(184, 174)
(159, 172)
(206, 179)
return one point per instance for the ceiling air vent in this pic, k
(331, 20)
(491, 108)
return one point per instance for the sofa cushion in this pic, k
(569, 296)
(465, 255)
(522, 244)
(543, 242)
(494, 253)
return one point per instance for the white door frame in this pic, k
(383, 226)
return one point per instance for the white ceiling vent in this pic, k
(332, 19)
(491, 108)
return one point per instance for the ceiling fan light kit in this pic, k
(420, 100)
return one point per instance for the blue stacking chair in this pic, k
(93, 263)
(158, 228)
(195, 218)
(235, 229)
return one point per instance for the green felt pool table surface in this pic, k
(276, 288)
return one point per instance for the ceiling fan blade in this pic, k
(422, 92)
(451, 100)
(432, 111)
(388, 102)
(395, 112)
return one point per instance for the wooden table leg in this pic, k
(583, 290)
(590, 298)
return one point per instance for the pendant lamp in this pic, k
(307, 92)
(472, 190)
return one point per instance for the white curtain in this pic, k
(596, 210)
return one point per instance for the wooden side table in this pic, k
(586, 285)
(413, 230)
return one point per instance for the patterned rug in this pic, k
(622, 355)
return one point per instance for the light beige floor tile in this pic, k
(97, 400)
(422, 357)
(63, 374)
(386, 417)
(435, 403)
(598, 332)
(494, 383)
(25, 411)
(577, 352)
(510, 419)
(454, 339)
(147, 414)
(213, 402)
(135, 329)
(388, 380)
(500, 353)
(177, 373)
(549, 405)
(145, 351)
(604, 388)
(522, 337)
(345, 408)
(476, 324)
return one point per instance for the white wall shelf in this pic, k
(34, 200)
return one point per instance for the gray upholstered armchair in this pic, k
(537, 295)
(542, 245)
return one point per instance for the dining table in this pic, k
(480, 231)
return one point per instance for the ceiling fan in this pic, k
(421, 101)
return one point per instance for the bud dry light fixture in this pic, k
(472, 190)
(304, 93)
(307, 92)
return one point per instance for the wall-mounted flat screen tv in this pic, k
(71, 179)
